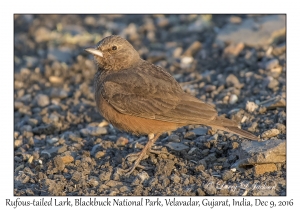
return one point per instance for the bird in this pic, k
(141, 98)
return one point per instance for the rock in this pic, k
(193, 49)
(175, 178)
(233, 99)
(189, 135)
(56, 80)
(200, 131)
(52, 140)
(112, 183)
(254, 32)
(234, 49)
(177, 146)
(63, 54)
(99, 154)
(210, 188)
(280, 127)
(235, 145)
(59, 163)
(186, 61)
(264, 168)
(270, 133)
(165, 167)
(58, 93)
(271, 64)
(18, 143)
(105, 175)
(261, 152)
(50, 152)
(274, 103)
(233, 81)
(67, 159)
(42, 100)
(44, 129)
(143, 176)
(76, 176)
(227, 175)
(94, 149)
(210, 88)
(251, 106)
(93, 131)
(273, 83)
(174, 138)
(122, 141)
(192, 150)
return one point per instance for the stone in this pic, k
(112, 183)
(261, 152)
(251, 106)
(177, 146)
(99, 154)
(264, 168)
(175, 178)
(67, 159)
(189, 135)
(274, 103)
(42, 100)
(270, 133)
(233, 99)
(254, 32)
(227, 175)
(233, 81)
(174, 138)
(200, 131)
(122, 141)
(94, 131)
(59, 164)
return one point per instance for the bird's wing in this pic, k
(154, 94)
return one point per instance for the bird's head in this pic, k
(113, 53)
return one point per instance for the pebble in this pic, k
(233, 99)
(18, 143)
(56, 80)
(189, 135)
(67, 159)
(122, 141)
(175, 178)
(210, 189)
(58, 93)
(99, 154)
(233, 81)
(210, 88)
(200, 131)
(273, 83)
(271, 64)
(251, 106)
(177, 146)
(94, 131)
(52, 140)
(59, 164)
(143, 176)
(227, 175)
(174, 138)
(270, 133)
(192, 150)
(264, 168)
(42, 100)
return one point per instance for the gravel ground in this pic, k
(62, 146)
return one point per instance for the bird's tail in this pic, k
(230, 126)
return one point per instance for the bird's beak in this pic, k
(94, 52)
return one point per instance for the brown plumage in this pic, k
(141, 98)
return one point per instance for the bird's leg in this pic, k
(142, 154)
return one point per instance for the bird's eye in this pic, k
(114, 48)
